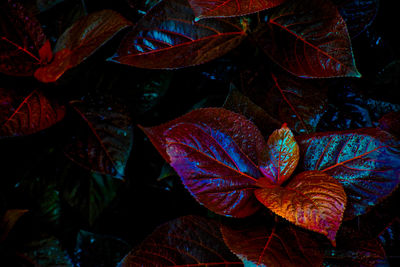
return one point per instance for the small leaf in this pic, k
(283, 152)
(309, 39)
(27, 115)
(230, 8)
(168, 37)
(365, 161)
(8, 220)
(104, 140)
(80, 41)
(312, 199)
(186, 241)
(272, 244)
(21, 39)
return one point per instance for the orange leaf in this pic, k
(8, 221)
(60, 64)
(313, 200)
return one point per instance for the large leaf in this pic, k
(366, 162)
(230, 8)
(28, 114)
(312, 199)
(81, 40)
(8, 220)
(391, 123)
(21, 40)
(186, 241)
(283, 152)
(309, 39)
(104, 140)
(167, 37)
(357, 14)
(272, 244)
(208, 149)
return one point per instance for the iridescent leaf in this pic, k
(80, 41)
(230, 8)
(186, 241)
(21, 38)
(365, 161)
(28, 114)
(167, 37)
(312, 199)
(104, 139)
(272, 244)
(8, 220)
(357, 14)
(283, 155)
(309, 39)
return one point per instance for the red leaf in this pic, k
(365, 161)
(80, 41)
(167, 37)
(277, 244)
(230, 8)
(312, 199)
(309, 39)
(45, 53)
(103, 141)
(27, 115)
(8, 220)
(391, 123)
(21, 38)
(208, 149)
(283, 152)
(186, 241)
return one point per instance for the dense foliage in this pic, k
(199, 133)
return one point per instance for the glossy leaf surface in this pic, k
(27, 115)
(167, 37)
(312, 199)
(357, 14)
(213, 168)
(80, 41)
(366, 162)
(21, 38)
(272, 244)
(309, 39)
(104, 140)
(283, 155)
(186, 241)
(230, 8)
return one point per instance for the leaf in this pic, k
(312, 200)
(309, 39)
(357, 14)
(391, 123)
(207, 148)
(272, 244)
(283, 152)
(167, 37)
(28, 114)
(80, 41)
(302, 103)
(90, 194)
(8, 220)
(186, 241)
(230, 8)
(365, 161)
(21, 39)
(44, 5)
(103, 141)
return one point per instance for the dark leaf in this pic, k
(21, 38)
(167, 37)
(80, 41)
(309, 39)
(312, 199)
(104, 140)
(230, 8)
(207, 148)
(366, 162)
(272, 244)
(283, 155)
(23, 115)
(186, 241)
(8, 220)
(44, 5)
(391, 123)
(357, 14)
